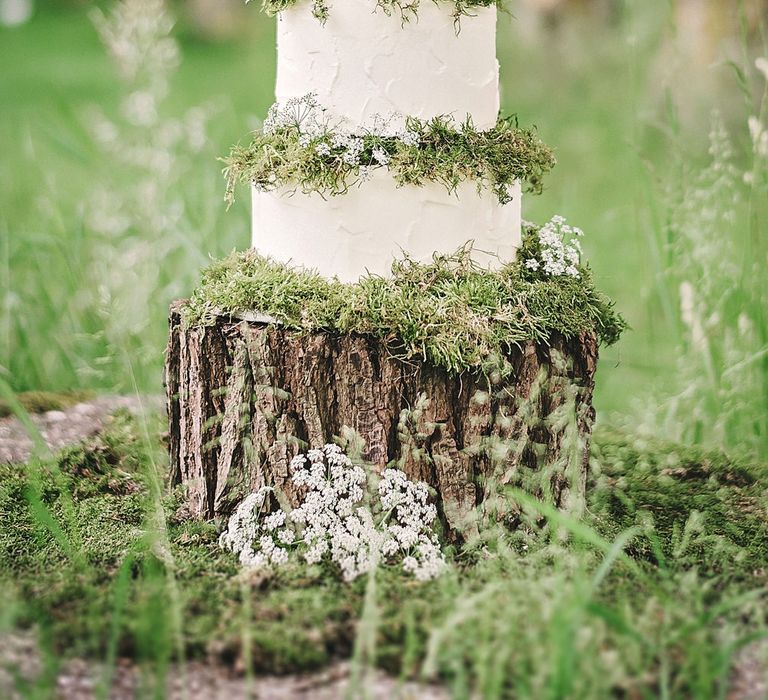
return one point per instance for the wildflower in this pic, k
(409, 137)
(323, 149)
(559, 249)
(335, 522)
(380, 156)
(251, 537)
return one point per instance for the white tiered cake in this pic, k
(362, 63)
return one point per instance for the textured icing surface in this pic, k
(372, 224)
(362, 62)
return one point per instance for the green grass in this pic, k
(553, 612)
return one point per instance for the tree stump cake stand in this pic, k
(245, 396)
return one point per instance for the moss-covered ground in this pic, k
(655, 590)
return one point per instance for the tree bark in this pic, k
(245, 396)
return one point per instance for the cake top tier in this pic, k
(362, 62)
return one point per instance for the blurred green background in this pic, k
(108, 210)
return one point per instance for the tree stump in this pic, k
(245, 396)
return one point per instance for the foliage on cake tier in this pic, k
(302, 146)
(407, 9)
(450, 311)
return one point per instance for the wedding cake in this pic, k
(367, 91)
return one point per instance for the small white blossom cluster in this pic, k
(332, 516)
(409, 137)
(560, 249)
(259, 541)
(303, 114)
(311, 122)
(408, 525)
(335, 523)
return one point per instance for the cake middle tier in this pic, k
(362, 62)
(377, 221)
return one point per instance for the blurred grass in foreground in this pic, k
(98, 235)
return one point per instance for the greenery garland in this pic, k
(451, 312)
(407, 9)
(301, 147)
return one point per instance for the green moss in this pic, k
(450, 311)
(287, 154)
(700, 507)
(407, 9)
(42, 401)
(522, 608)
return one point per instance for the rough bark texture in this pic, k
(244, 397)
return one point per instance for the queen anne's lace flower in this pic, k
(409, 137)
(560, 249)
(334, 521)
(252, 537)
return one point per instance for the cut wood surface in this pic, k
(244, 397)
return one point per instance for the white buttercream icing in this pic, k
(362, 62)
(373, 223)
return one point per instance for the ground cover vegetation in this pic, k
(652, 593)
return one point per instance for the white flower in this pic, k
(286, 536)
(380, 156)
(560, 249)
(336, 523)
(409, 138)
(249, 535)
(274, 521)
(323, 148)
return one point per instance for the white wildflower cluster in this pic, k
(380, 156)
(560, 249)
(408, 525)
(311, 122)
(259, 540)
(334, 522)
(352, 146)
(409, 137)
(303, 114)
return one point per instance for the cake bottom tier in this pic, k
(377, 221)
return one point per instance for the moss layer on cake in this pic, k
(303, 149)
(450, 311)
(407, 9)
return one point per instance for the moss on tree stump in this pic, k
(246, 395)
